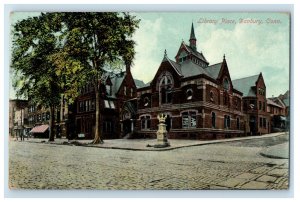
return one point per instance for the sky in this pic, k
(251, 46)
(251, 42)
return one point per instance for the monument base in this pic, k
(166, 144)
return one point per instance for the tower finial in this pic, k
(165, 56)
(193, 39)
(224, 56)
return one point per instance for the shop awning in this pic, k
(39, 129)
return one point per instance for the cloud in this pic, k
(250, 49)
(147, 39)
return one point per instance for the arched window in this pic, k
(226, 84)
(125, 90)
(213, 119)
(165, 88)
(131, 92)
(211, 95)
(226, 121)
(225, 97)
(145, 122)
(238, 123)
(236, 103)
(189, 94)
(146, 101)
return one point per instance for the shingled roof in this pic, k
(196, 53)
(271, 102)
(245, 85)
(139, 83)
(286, 101)
(214, 70)
(173, 64)
(189, 68)
(116, 80)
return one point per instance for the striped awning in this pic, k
(39, 129)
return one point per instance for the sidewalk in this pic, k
(141, 144)
(280, 151)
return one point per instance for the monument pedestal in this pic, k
(162, 140)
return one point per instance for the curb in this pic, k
(272, 156)
(169, 148)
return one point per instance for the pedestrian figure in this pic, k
(22, 136)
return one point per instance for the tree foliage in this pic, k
(96, 40)
(34, 41)
(56, 53)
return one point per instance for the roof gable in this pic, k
(271, 102)
(139, 83)
(168, 65)
(189, 50)
(260, 79)
(121, 81)
(245, 85)
(286, 101)
(214, 70)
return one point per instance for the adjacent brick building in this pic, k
(18, 117)
(278, 108)
(116, 88)
(254, 104)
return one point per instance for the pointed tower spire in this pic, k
(192, 36)
(193, 39)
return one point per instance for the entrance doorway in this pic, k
(127, 126)
(252, 125)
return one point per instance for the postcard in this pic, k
(149, 101)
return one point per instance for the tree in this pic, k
(37, 41)
(97, 39)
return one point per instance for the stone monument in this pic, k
(161, 133)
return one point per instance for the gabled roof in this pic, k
(245, 85)
(116, 80)
(139, 83)
(271, 102)
(286, 101)
(214, 70)
(189, 68)
(196, 53)
(278, 101)
(175, 66)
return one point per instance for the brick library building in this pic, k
(199, 99)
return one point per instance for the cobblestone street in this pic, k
(228, 165)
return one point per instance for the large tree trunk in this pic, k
(51, 124)
(98, 138)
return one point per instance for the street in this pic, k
(227, 165)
